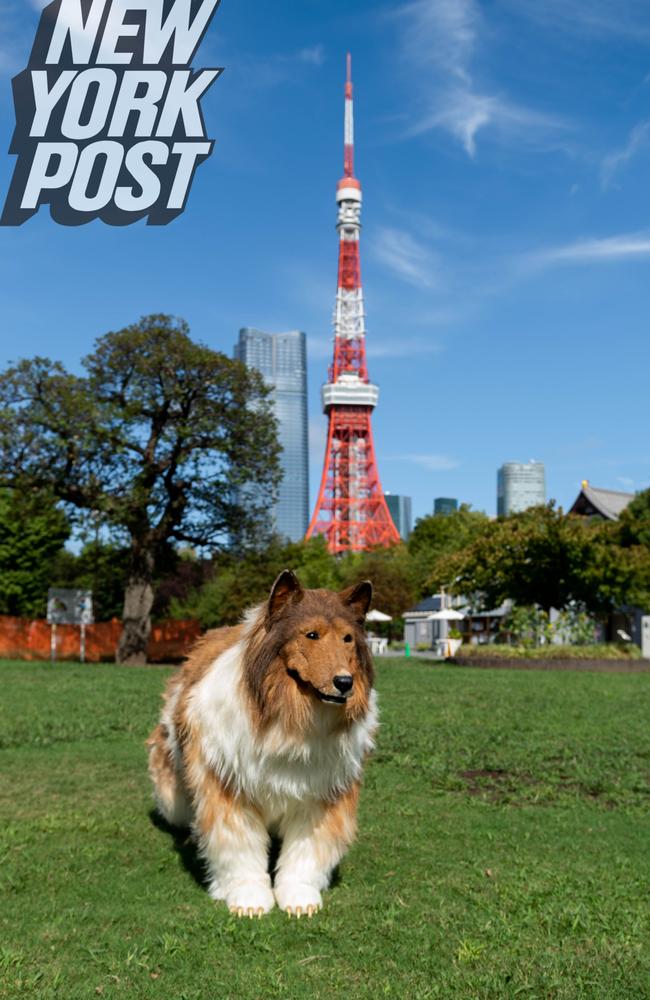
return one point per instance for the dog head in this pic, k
(311, 653)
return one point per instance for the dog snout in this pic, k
(343, 683)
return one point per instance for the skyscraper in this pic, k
(445, 505)
(520, 485)
(400, 511)
(281, 358)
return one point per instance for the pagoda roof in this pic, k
(595, 502)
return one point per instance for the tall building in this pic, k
(400, 511)
(445, 505)
(351, 511)
(520, 485)
(282, 360)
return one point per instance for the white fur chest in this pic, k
(271, 769)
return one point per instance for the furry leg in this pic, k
(234, 842)
(170, 794)
(315, 838)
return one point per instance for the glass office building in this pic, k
(520, 485)
(445, 505)
(282, 360)
(400, 511)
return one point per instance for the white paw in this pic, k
(248, 899)
(215, 890)
(298, 898)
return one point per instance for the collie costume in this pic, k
(264, 732)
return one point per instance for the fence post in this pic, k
(53, 642)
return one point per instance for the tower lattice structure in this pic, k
(351, 511)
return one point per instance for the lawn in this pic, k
(504, 848)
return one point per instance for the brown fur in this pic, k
(285, 669)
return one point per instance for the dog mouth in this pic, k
(329, 699)
(333, 699)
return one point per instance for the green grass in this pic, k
(503, 849)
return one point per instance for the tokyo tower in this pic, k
(351, 511)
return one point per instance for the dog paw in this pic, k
(298, 899)
(249, 899)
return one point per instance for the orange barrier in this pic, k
(22, 639)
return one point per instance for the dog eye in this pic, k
(347, 638)
(312, 635)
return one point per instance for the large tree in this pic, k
(158, 442)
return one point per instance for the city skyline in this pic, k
(507, 253)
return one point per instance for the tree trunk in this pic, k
(136, 617)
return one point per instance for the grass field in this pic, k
(504, 848)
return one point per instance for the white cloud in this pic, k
(638, 139)
(322, 348)
(611, 248)
(588, 18)
(312, 54)
(626, 483)
(439, 42)
(405, 256)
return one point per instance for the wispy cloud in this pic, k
(320, 348)
(405, 256)
(439, 41)
(430, 462)
(590, 18)
(313, 55)
(621, 247)
(638, 139)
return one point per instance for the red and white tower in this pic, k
(351, 511)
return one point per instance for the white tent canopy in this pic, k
(378, 616)
(447, 614)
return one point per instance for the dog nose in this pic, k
(343, 683)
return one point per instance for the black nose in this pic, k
(343, 683)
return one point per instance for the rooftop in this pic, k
(593, 501)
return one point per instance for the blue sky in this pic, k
(503, 148)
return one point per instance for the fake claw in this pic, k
(237, 910)
(299, 911)
(260, 912)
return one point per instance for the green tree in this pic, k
(634, 523)
(239, 582)
(436, 537)
(156, 441)
(542, 557)
(100, 567)
(33, 530)
(392, 574)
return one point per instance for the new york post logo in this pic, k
(108, 112)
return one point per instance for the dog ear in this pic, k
(358, 598)
(285, 589)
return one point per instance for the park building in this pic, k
(520, 485)
(400, 510)
(281, 358)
